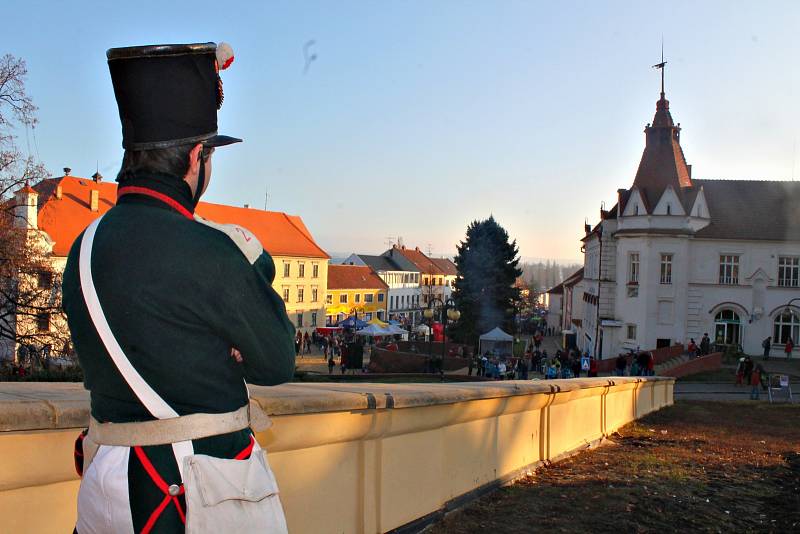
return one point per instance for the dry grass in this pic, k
(696, 466)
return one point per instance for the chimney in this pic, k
(59, 192)
(26, 208)
(247, 206)
(67, 170)
(97, 177)
(94, 199)
(690, 170)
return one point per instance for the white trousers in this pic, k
(103, 503)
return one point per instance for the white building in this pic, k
(403, 279)
(677, 257)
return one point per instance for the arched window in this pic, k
(727, 328)
(787, 323)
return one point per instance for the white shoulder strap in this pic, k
(157, 406)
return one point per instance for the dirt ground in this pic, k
(696, 466)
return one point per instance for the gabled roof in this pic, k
(353, 277)
(557, 290)
(381, 263)
(65, 218)
(751, 210)
(574, 278)
(279, 233)
(446, 265)
(420, 260)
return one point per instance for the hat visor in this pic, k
(220, 140)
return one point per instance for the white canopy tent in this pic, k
(497, 342)
(373, 330)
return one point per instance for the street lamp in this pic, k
(448, 312)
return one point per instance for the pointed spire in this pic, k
(663, 163)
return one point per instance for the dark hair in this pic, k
(173, 160)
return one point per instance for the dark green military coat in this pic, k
(178, 295)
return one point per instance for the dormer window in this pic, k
(636, 209)
(669, 209)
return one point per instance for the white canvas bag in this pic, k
(222, 495)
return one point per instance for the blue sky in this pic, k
(418, 117)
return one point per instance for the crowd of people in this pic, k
(342, 349)
(562, 364)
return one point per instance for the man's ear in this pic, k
(194, 162)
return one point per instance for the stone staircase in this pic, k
(669, 364)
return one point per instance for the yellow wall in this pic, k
(336, 307)
(360, 469)
(294, 282)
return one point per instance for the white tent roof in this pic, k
(423, 329)
(373, 330)
(496, 335)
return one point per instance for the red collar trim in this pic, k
(174, 204)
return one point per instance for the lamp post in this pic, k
(448, 312)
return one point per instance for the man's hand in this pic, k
(236, 355)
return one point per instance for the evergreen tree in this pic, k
(488, 266)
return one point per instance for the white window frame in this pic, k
(779, 323)
(300, 294)
(666, 268)
(285, 293)
(788, 271)
(729, 269)
(628, 328)
(634, 267)
(301, 269)
(314, 294)
(343, 298)
(369, 298)
(287, 269)
(315, 270)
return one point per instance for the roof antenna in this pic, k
(266, 198)
(794, 154)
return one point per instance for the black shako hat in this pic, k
(168, 95)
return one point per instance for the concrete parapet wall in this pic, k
(349, 458)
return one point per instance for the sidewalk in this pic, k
(723, 391)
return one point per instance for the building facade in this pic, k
(355, 290)
(402, 279)
(56, 211)
(678, 257)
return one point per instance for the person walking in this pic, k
(740, 372)
(620, 365)
(766, 345)
(331, 365)
(755, 382)
(592, 367)
(705, 345)
(692, 348)
(170, 314)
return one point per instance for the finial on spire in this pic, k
(660, 66)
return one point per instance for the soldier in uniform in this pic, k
(189, 304)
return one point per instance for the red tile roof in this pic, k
(64, 219)
(354, 277)
(420, 260)
(663, 162)
(448, 267)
